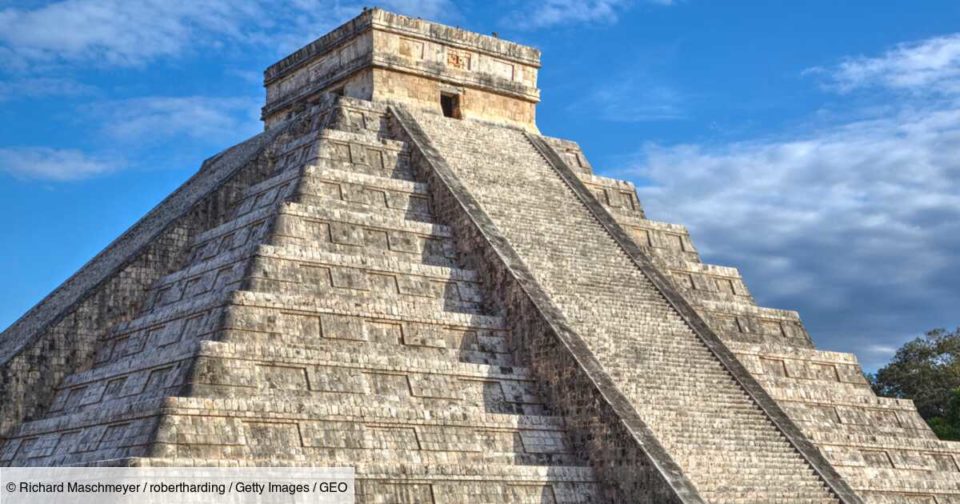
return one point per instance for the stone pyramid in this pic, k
(400, 274)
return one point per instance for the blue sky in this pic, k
(811, 144)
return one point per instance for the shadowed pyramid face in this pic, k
(386, 57)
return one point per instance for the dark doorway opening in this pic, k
(450, 103)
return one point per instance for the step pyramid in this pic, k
(403, 276)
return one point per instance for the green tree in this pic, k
(927, 370)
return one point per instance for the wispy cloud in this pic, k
(138, 125)
(58, 165)
(152, 119)
(42, 86)
(929, 66)
(858, 225)
(118, 32)
(125, 33)
(633, 98)
(436, 10)
(544, 14)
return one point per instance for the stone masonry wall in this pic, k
(59, 335)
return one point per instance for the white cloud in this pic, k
(141, 127)
(117, 32)
(885, 351)
(542, 14)
(931, 66)
(42, 86)
(632, 98)
(53, 164)
(434, 10)
(546, 13)
(856, 225)
(133, 33)
(152, 119)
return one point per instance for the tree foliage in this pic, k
(927, 370)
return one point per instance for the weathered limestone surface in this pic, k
(383, 56)
(442, 304)
(60, 334)
(881, 446)
(722, 441)
(327, 322)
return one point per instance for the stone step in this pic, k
(671, 241)
(773, 351)
(328, 170)
(705, 282)
(398, 310)
(170, 336)
(383, 264)
(879, 442)
(373, 445)
(770, 485)
(155, 374)
(365, 138)
(358, 156)
(447, 484)
(366, 219)
(400, 322)
(280, 187)
(437, 296)
(814, 393)
(399, 361)
(507, 472)
(285, 270)
(414, 339)
(899, 458)
(368, 409)
(237, 370)
(388, 167)
(891, 417)
(855, 392)
(207, 269)
(124, 426)
(185, 320)
(137, 373)
(352, 408)
(902, 480)
(355, 442)
(248, 229)
(217, 275)
(111, 412)
(852, 423)
(299, 223)
(759, 497)
(897, 497)
(366, 234)
(324, 185)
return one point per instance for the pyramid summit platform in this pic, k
(402, 275)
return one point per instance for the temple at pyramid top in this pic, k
(382, 56)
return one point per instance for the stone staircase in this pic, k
(708, 424)
(880, 446)
(327, 323)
